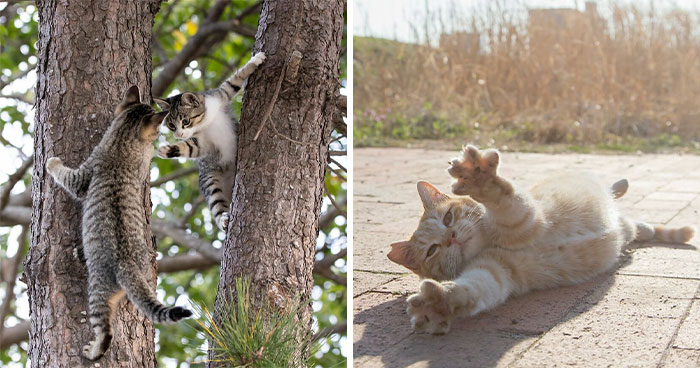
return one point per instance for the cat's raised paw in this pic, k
(258, 58)
(477, 174)
(430, 310)
(169, 151)
(53, 163)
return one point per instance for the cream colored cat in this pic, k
(474, 252)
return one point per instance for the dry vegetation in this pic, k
(627, 82)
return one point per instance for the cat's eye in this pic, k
(447, 220)
(432, 250)
(185, 122)
(171, 126)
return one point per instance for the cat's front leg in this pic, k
(513, 218)
(189, 148)
(74, 181)
(477, 176)
(433, 309)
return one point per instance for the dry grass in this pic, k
(632, 78)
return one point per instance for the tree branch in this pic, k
(14, 335)
(210, 27)
(331, 213)
(15, 215)
(14, 268)
(18, 97)
(184, 262)
(179, 236)
(174, 175)
(323, 267)
(340, 327)
(12, 181)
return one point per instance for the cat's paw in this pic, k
(258, 58)
(96, 348)
(53, 163)
(431, 310)
(222, 221)
(477, 175)
(169, 151)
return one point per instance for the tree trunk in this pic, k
(90, 52)
(280, 176)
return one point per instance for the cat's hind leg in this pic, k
(103, 297)
(211, 184)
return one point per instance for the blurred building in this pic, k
(546, 25)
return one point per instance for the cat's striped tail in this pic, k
(664, 234)
(232, 85)
(140, 294)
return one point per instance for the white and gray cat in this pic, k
(209, 134)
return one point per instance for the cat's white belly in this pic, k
(219, 129)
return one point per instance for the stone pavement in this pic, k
(644, 313)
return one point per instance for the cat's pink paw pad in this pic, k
(474, 163)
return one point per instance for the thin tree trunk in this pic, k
(280, 179)
(90, 52)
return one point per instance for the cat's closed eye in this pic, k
(171, 126)
(432, 250)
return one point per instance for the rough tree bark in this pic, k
(280, 179)
(90, 52)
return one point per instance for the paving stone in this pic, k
(664, 260)
(363, 282)
(465, 348)
(602, 339)
(683, 185)
(672, 196)
(688, 336)
(379, 322)
(642, 296)
(655, 204)
(682, 358)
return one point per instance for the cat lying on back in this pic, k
(110, 184)
(209, 134)
(499, 240)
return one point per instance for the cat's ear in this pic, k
(430, 195)
(163, 104)
(189, 98)
(402, 253)
(131, 97)
(149, 129)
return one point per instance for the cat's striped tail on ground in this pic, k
(664, 234)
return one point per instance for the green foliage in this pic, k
(246, 336)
